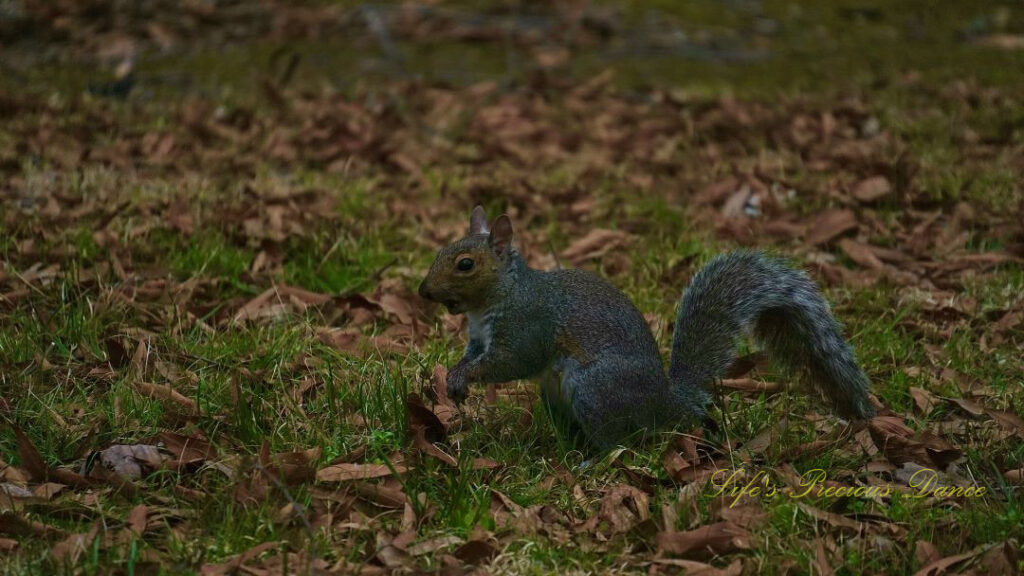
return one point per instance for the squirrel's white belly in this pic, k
(481, 329)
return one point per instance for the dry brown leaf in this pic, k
(47, 490)
(187, 450)
(165, 392)
(836, 521)
(694, 568)
(381, 495)
(941, 565)
(623, 507)
(748, 515)
(715, 193)
(969, 406)
(347, 472)
(38, 469)
(751, 385)
(396, 306)
(1015, 477)
(595, 244)
(1002, 41)
(926, 552)
(1007, 420)
(131, 461)
(232, 566)
(900, 444)
(432, 545)
(871, 189)
(861, 254)
(424, 446)
(821, 559)
(419, 416)
(136, 522)
(924, 401)
(705, 542)
(292, 468)
(347, 340)
(393, 557)
(1002, 560)
(765, 438)
(69, 550)
(830, 225)
(475, 552)
(444, 409)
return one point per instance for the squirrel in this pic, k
(598, 362)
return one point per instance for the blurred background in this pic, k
(704, 46)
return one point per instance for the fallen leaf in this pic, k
(595, 244)
(393, 557)
(1002, 41)
(69, 550)
(38, 469)
(1007, 420)
(1002, 560)
(424, 446)
(348, 340)
(129, 461)
(871, 189)
(475, 552)
(838, 521)
(705, 542)
(396, 306)
(165, 392)
(923, 400)
(187, 450)
(381, 495)
(233, 565)
(861, 254)
(1015, 477)
(293, 468)
(694, 568)
(623, 507)
(900, 444)
(347, 472)
(969, 406)
(48, 490)
(432, 545)
(419, 416)
(830, 225)
(751, 385)
(926, 552)
(136, 522)
(941, 565)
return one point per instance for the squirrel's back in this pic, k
(593, 317)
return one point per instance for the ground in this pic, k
(214, 216)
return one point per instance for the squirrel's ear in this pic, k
(501, 236)
(478, 221)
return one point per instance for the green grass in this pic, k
(245, 377)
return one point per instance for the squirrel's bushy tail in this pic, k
(749, 292)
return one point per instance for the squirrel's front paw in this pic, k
(457, 385)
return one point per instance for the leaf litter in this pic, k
(872, 222)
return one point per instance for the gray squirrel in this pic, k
(599, 364)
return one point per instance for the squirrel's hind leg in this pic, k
(616, 400)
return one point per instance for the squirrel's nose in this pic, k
(424, 293)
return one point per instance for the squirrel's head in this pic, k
(464, 274)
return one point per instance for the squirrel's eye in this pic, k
(465, 265)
